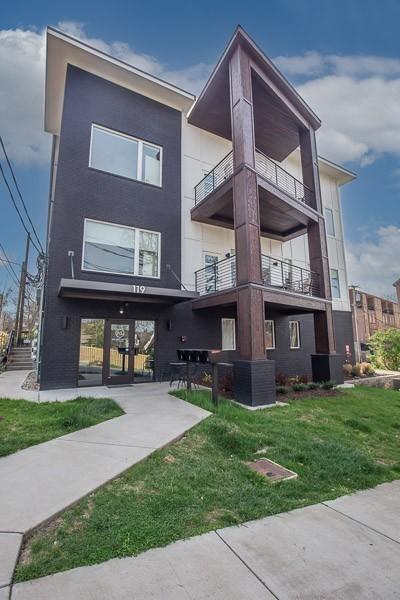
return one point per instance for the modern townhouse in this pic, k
(183, 222)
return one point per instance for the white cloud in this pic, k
(22, 66)
(374, 264)
(313, 63)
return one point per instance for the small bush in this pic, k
(327, 385)
(313, 385)
(367, 368)
(347, 369)
(299, 387)
(281, 379)
(281, 389)
(206, 379)
(356, 370)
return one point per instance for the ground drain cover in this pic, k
(271, 470)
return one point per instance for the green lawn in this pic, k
(24, 423)
(336, 445)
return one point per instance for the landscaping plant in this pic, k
(385, 349)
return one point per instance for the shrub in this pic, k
(313, 385)
(385, 347)
(281, 389)
(367, 368)
(356, 370)
(281, 379)
(299, 387)
(327, 385)
(347, 369)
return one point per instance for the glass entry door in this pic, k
(129, 351)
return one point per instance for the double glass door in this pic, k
(129, 351)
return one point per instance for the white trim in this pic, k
(135, 272)
(140, 143)
(234, 334)
(115, 61)
(298, 336)
(273, 334)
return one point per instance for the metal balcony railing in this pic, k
(266, 168)
(276, 273)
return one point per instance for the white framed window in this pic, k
(335, 285)
(329, 222)
(269, 328)
(228, 334)
(294, 334)
(124, 155)
(120, 249)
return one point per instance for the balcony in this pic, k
(265, 167)
(276, 273)
(286, 204)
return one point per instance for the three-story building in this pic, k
(180, 222)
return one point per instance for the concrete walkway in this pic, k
(347, 549)
(41, 481)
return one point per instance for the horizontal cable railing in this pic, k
(216, 277)
(270, 170)
(265, 167)
(214, 178)
(275, 273)
(285, 275)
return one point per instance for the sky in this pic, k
(342, 56)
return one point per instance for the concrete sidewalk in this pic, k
(39, 482)
(347, 549)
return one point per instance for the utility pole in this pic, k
(22, 289)
(354, 311)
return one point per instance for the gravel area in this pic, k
(30, 382)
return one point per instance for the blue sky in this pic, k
(343, 56)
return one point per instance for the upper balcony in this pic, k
(286, 204)
(278, 274)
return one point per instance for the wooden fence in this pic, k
(93, 355)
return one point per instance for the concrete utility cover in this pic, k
(271, 470)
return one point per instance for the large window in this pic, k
(294, 333)
(228, 334)
(124, 155)
(329, 222)
(110, 248)
(335, 285)
(269, 327)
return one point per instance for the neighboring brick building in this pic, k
(372, 314)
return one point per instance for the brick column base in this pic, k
(327, 367)
(254, 382)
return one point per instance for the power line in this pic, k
(16, 207)
(19, 194)
(8, 261)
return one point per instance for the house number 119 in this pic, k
(138, 289)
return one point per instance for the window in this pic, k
(122, 250)
(124, 155)
(90, 370)
(269, 328)
(335, 286)
(329, 222)
(228, 334)
(294, 332)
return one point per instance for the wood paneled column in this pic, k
(250, 303)
(318, 250)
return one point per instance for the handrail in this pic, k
(9, 346)
(266, 168)
(275, 273)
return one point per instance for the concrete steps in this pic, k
(19, 360)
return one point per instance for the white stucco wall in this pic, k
(201, 151)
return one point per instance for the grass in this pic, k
(336, 445)
(24, 423)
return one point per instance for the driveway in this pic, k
(347, 549)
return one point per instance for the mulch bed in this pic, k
(308, 394)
